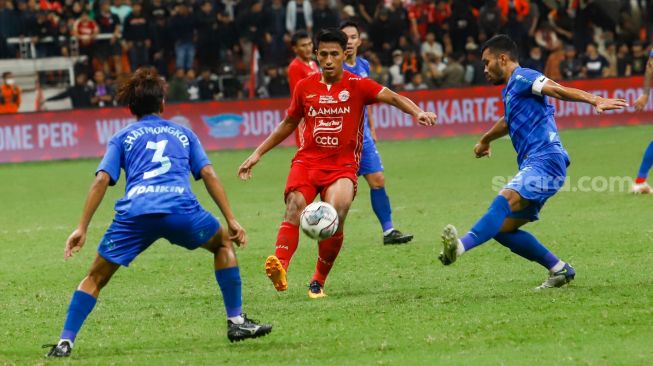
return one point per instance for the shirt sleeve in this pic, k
(198, 158)
(369, 90)
(296, 108)
(530, 82)
(111, 162)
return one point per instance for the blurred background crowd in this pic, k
(206, 48)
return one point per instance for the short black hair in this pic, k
(6, 74)
(301, 34)
(143, 92)
(331, 35)
(503, 44)
(349, 23)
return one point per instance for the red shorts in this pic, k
(310, 182)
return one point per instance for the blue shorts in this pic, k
(370, 159)
(539, 178)
(127, 238)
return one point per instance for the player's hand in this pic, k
(426, 118)
(482, 149)
(237, 233)
(606, 104)
(245, 169)
(640, 103)
(74, 243)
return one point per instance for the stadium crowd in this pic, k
(205, 47)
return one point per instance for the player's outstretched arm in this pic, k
(283, 130)
(555, 90)
(95, 195)
(482, 147)
(407, 106)
(640, 103)
(216, 191)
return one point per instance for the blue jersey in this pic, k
(362, 69)
(529, 116)
(157, 157)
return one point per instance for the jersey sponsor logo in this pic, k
(355, 78)
(327, 141)
(327, 99)
(312, 112)
(311, 96)
(223, 125)
(154, 189)
(327, 125)
(343, 96)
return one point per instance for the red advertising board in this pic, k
(244, 124)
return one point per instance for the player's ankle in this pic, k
(640, 180)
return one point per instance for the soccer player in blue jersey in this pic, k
(157, 157)
(640, 185)
(529, 120)
(371, 166)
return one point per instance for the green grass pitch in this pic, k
(386, 306)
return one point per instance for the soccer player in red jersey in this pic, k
(302, 65)
(331, 104)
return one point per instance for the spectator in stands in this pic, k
(610, 55)
(552, 65)
(208, 44)
(299, 16)
(430, 45)
(208, 85)
(419, 12)
(103, 93)
(395, 74)
(178, 88)
(462, 24)
(474, 67)
(367, 9)
(162, 38)
(325, 17)
(122, 8)
(432, 69)
(412, 64)
(489, 18)
(383, 36)
(10, 94)
(624, 60)
(639, 59)
(108, 51)
(378, 72)
(275, 83)
(85, 29)
(571, 67)
(547, 38)
(231, 86)
(275, 33)
(594, 65)
(440, 23)
(183, 31)
(416, 83)
(80, 94)
(138, 38)
(9, 27)
(192, 86)
(453, 75)
(534, 60)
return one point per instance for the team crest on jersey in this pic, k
(343, 96)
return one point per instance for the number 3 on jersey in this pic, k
(158, 157)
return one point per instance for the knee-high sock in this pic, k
(231, 288)
(381, 207)
(526, 245)
(328, 250)
(287, 241)
(647, 163)
(80, 306)
(488, 225)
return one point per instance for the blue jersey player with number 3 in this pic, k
(370, 164)
(157, 157)
(529, 120)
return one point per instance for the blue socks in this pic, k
(80, 306)
(381, 207)
(526, 245)
(489, 225)
(230, 285)
(647, 162)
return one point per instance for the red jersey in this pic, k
(298, 70)
(332, 132)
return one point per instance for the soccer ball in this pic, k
(319, 220)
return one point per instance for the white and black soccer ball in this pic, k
(319, 220)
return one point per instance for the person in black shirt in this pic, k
(624, 60)
(183, 28)
(108, 49)
(80, 94)
(138, 37)
(571, 66)
(208, 85)
(324, 16)
(594, 65)
(639, 59)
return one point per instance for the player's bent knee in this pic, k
(375, 180)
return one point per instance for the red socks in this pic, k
(328, 250)
(287, 241)
(640, 180)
